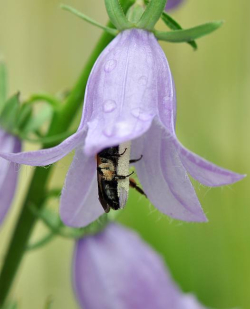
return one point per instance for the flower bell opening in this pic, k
(130, 96)
(113, 176)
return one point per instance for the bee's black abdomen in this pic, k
(110, 194)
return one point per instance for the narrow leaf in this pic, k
(38, 120)
(116, 15)
(40, 243)
(24, 116)
(188, 35)
(10, 113)
(152, 14)
(47, 139)
(3, 83)
(88, 19)
(174, 25)
(135, 13)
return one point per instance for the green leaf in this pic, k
(35, 122)
(174, 25)
(126, 4)
(135, 13)
(10, 113)
(42, 242)
(88, 19)
(116, 15)
(24, 116)
(188, 35)
(46, 139)
(152, 14)
(44, 97)
(3, 83)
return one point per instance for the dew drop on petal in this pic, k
(140, 114)
(109, 106)
(110, 65)
(143, 80)
(108, 131)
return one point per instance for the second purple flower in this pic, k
(172, 4)
(130, 98)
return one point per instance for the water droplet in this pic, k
(110, 65)
(108, 131)
(143, 80)
(109, 106)
(141, 114)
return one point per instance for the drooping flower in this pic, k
(172, 4)
(116, 269)
(8, 172)
(130, 96)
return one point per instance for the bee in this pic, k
(113, 176)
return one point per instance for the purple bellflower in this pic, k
(8, 172)
(172, 4)
(116, 269)
(130, 96)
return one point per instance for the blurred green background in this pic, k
(45, 49)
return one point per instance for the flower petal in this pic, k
(172, 4)
(8, 173)
(200, 169)
(79, 202)
(47, 156)
(189, 301)
(117, 269)
(163, 177)
(204, 171)
(121, 91)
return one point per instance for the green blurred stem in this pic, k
(38, 186)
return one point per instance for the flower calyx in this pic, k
(144, 14)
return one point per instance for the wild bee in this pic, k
(113, 176)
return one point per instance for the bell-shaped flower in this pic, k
(130, 96)
(172, 4)
(8, 172)
(117, 269)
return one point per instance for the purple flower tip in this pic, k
(116, 269)
(130, 96)
(172, 4)
(8, 172)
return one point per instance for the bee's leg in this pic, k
(133, 184)
(117, 177)
(136, 160)
(115, 155)
(121, 154)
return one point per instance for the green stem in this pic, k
(37, 190)
(38, 187)
(40, 243)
